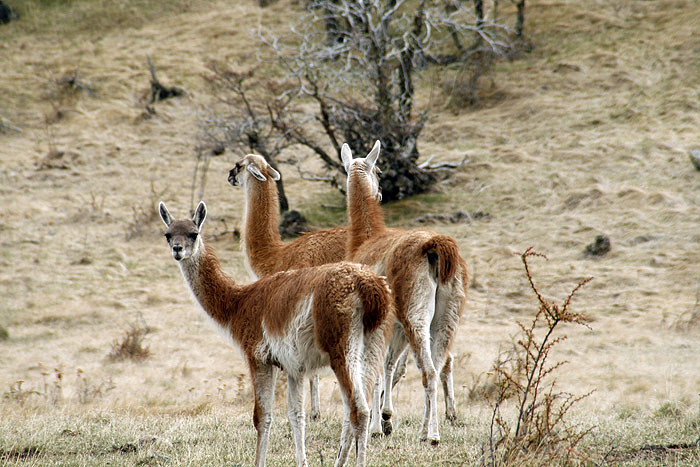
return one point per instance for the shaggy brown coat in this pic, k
(264, 249)
(335, 315)
(428, 278)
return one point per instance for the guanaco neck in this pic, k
(215, 292)
(366, 218)
(261, 238)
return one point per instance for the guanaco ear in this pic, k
(346, 156)
(256, 172)
(275, 175)
(200, 214)
(165, 214)
(373, 155)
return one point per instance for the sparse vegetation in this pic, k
(143, 215)
(591, 136)
(88, 391)
(131, 345)
(540, 432)
(358, 64)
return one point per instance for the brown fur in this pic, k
(411, 260)
(374, 299)
(447, 252)
(371, 242)
(258, 316)
(244, 308)
(367, 219)
(265, 250)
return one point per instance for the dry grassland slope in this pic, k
(585, 135)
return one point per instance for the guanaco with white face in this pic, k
(299, 321)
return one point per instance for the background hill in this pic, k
(585, 135)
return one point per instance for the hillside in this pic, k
(585, 135)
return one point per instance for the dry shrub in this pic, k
(470, 86)
(63, 92)
(70, 84)
(130, 346)
(539, 434)
(144, 214)
(19, 394)
(88, 391)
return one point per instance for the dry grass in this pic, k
(590, 139)
(130, 346)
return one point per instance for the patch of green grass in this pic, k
(626, 413)
(406, 210)
(669, 410)
(328, 210)
(325, 211)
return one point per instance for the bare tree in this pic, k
(357, 64)
(519, 17)
(247, 122)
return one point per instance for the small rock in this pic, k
(7, 14)
(694, 155)
(217, 149)
(599, 247)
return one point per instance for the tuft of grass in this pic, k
(669, 410)
(4, 333)
(407, 210)
(130, 346)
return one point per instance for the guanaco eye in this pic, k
(192, 236)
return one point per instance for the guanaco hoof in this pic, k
(386, 424)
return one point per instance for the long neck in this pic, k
(215, 291)
(366, 217)
(261, 237)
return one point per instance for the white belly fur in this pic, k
(295, 351)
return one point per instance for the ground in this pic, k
(586, 134)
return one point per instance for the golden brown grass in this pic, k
(130, 345)
(591, 138)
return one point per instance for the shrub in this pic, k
(130, 346)
(539, 434)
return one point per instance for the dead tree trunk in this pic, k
(520, 18)
(158, 91)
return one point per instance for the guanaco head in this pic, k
(365, 167)
(183, 235)
(255, 166)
